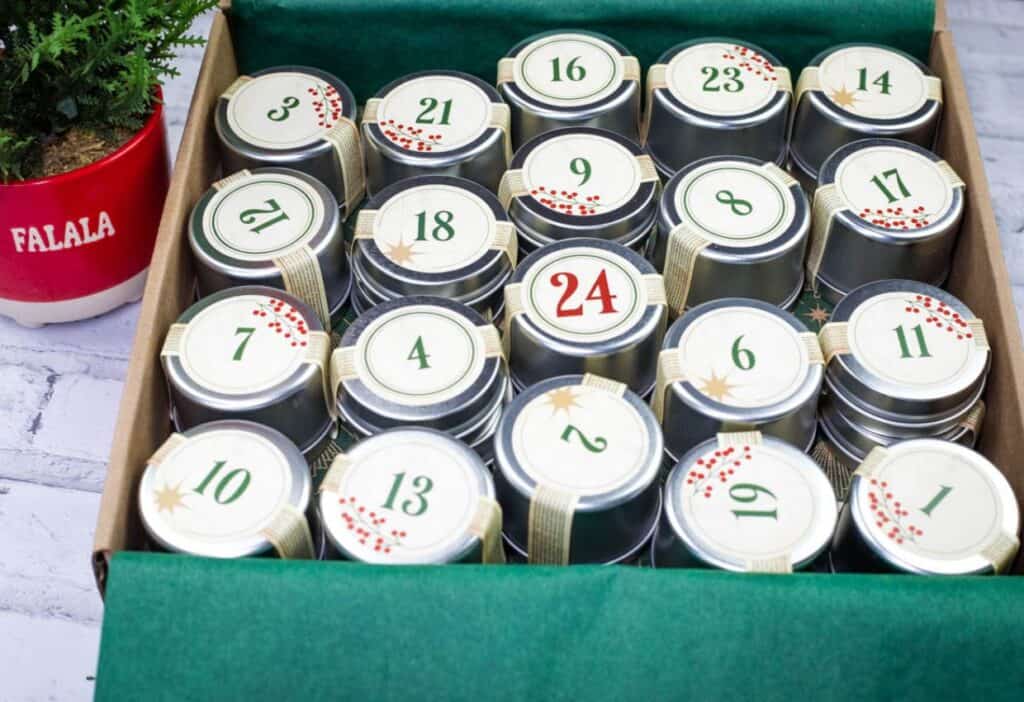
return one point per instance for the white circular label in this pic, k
(420, 355)
(935, 503)
(284, 110)
(581, 439)
(262, 217)
(722, 79)
(873, 82)
(434, 228)
(581, 174)
(218, 487)
(894, 188)
(735, 204)
(568, 69)
(434, 113)
(584, 294)
(244, 344)
(747, 503)
(915, 340)
(406, 502)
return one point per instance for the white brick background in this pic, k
(59, 388)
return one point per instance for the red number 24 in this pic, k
(599, 292)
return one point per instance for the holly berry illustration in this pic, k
(719, 465)
(897, 217)
(567, 202)
(285, 320)
(889, 513)
(409, 137)
(938, 314)
(369, 527)
(751, 62)
(326, 104)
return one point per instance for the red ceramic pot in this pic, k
(78, 244)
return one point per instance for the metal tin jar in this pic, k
(272, 226)
(581, 182)
(735, 365)
(576, 78)
(858, 91)
(730, 226)
(436, 122)
(434, 235)
(927, 507)
(422, 361)
(227, 489)
(584, 305)
(576, 467)
(255, 353)
(716, 97)
(745, 503)
(410, 496)
(293, 117)
(883, 209)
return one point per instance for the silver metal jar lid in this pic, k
(745, 503)
(581, 182)
(294, 117)
(418, 360)
(733, 365)
(576, 467)
(570, 78)
(276, 227)
(713, 97)
(411, 496)
(436, 122)
(929, 507)
(884, 209)
(250, 352)
(731, 226)
(434, 235)
(857, 91)
(584, 305)
(227, 489)
(905, 349)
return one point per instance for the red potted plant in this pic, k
(83, 153)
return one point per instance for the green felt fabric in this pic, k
(180, 628)
(368, 43)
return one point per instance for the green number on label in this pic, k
(248, 331)
(899, 184)
(598, 445)
(881, 81)
(419, 353)
(581, 167)
(224, 483)
(442, 231)
(743, 358)
(249, 216)
(573, 71)
(748, 492)
(939, 497)
(732, 85)
(430, 104)
(280, 114)
(922, 347)
(421, 486)
(738, 206)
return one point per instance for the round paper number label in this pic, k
(284, 110)
(915, 340)
(568, 69)
(585, 295)
(244, 344)
(434, 228)
(263, 216)
(434, 113)
(420, 355)
(744, 357)
(735, 204)
(873, 82)
(582, 174)
(581, 439)
(722, 79)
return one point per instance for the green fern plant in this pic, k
(83, 63)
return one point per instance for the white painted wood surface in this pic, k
(59, 389)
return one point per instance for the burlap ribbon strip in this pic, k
(513, 182)
(668, 372)
(973, 420)
(233, 88)
(810, 79)
(608, 385)
(486, 526)
(514, 307)
(549, 526)
(504, 234)
(170, 444)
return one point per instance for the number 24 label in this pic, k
(599, 292)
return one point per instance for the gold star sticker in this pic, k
(717, 388)
(168, 498)
(843, 97)
(819, 314)
(562, 399)
(400, 253)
